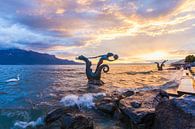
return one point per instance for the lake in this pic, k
(40, 88)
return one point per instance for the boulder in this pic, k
(82, 122)
(61, 119)
(105, 107)
(177, 113)
(121, 95)
(54, 115)
(135, 104)
(127, 93)
(110, 103)
(139, 109)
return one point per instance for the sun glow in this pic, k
(158, 55)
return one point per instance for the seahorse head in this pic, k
(81, 57)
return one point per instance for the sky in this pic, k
(136, 30)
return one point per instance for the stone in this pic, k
(118, 115)
(64, 119)
(139, 109)
(136, 104)
(110, 103)
(127, 93)
(82, 122)
(54, 115)
(121, 95)
(106, 107)
(177, 113)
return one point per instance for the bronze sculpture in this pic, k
(95, 77)
(160, 66)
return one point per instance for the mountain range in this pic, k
(15, 56)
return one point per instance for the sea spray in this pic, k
(81, 101)
(32, 124)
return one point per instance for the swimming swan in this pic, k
(14, 79)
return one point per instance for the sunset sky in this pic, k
(137, 30)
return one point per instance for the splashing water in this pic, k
(33, 124)
(82, 101)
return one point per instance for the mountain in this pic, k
(24, 57)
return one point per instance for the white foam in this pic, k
(24, 125)
(82, 101)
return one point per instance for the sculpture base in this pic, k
(95, 82)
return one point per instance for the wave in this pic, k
(32, 124)
(142, 72)
(82, 101)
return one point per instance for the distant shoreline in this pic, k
(84, 64)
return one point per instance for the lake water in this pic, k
(42, 87)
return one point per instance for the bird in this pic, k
(14, 79)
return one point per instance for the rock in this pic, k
(66, 121)
(127, 93)
(82, 122)
(61, 119)
(106, 105)
(121, 95)
(59, 112)
(140, 108)
(54, 115)
(109, 104)
(136, 104)
(177, 113)
(118, 115)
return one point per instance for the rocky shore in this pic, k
(153, 109)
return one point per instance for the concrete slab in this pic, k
(187, 84)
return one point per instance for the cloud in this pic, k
(181, 52)
(96, 26)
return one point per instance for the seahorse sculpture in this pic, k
(94, 77)
(160, 65)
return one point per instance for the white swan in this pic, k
(13, 79)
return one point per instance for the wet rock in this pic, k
(121, 95)
(61, 119)
(106, 107)
(139, 109)
(118, 115)
(110, 103)
(177, 113)
(54, 115)
(82, 122)
(127, 93)
(136, 104)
